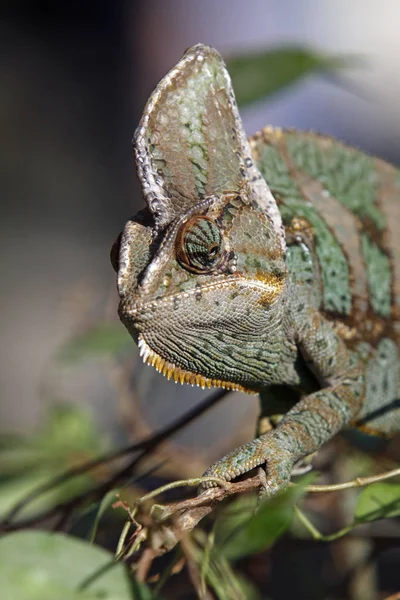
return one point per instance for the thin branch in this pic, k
(175, 520)
(144, 566)
(145, 447)
(316, 534)
(395, 596)
(355, 483)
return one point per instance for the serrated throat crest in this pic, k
(179, 375)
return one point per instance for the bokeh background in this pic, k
(74, 77)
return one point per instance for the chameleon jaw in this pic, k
(179, 375)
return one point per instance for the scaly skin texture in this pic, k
(270, 266)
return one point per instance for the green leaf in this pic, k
(39, 565)
(255, 76)
(20, 457)
(13, 491)
(226, 583)
(217, 573)
(106, 339)
(104, 505)
(241, 532)
(380, 500)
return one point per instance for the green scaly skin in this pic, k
(270, 265)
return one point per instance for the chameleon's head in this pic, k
(201, 271)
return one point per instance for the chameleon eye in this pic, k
(199, 245)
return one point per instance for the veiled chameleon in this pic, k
(270, 266)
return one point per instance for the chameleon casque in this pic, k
(269, 265)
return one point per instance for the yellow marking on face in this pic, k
(274, 284)
(179, 375)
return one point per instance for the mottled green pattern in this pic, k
(300, 264)
(303, 270)
(348, 175)
(382, 382)
(379, 276)
(253, 238)
(337, 295)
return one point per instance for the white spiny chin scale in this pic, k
(179, 375)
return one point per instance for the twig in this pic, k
(144, 565)
(175, 520)
(179, 518)
(355, 483)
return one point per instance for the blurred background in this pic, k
(74, 77)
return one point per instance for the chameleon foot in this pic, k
(261, 451)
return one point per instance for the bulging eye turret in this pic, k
(199, 246)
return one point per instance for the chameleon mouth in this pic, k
(179, 375)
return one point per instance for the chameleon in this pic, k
(269, 265)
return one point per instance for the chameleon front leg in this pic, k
(312, 421)
(308, 425)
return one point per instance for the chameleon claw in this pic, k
(263, 451)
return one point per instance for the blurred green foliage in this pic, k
(260, 75)
(379, 500)
(240, 531)
(39, 565)
(67, 437)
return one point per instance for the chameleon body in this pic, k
(269, 265)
